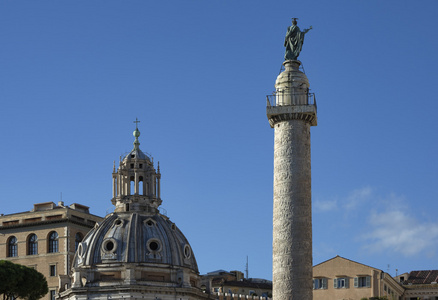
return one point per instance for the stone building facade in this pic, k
(234, 284)
(46, 238)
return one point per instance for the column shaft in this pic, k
(292, 226)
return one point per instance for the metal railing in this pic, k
(288, 99)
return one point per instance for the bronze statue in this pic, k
(294, 40)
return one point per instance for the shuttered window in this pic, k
(319, 283)
(340, 283)
(362, 281)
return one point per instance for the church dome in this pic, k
(136, 246)
(126, 237)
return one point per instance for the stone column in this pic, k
(158, 187)
(154, 185)
(114, 186)
(119, 185)
(292, 225)
(128, 184)
(136, 185)
(291, 112)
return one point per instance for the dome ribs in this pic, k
(131, 243)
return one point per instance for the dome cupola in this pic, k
(136, 252)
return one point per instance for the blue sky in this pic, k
(74, 75)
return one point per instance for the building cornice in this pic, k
(46, 222)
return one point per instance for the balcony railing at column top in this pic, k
(287, 99)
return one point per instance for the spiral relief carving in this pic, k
(292, 235)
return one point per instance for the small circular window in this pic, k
(154, 245)
(187, 251)
(118, 222)
(81, 249)
(109, 245)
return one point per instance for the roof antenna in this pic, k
(246, 268)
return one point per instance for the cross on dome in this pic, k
(136, 122)
(136, 134)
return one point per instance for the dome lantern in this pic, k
(136, 183)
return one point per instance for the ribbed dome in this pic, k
(135, 238)
(136, 154)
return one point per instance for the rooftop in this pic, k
(422, 277)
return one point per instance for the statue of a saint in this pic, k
(294, 40)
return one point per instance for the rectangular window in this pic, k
(340, 283)
(52, 270)
(362, 281)
(52, 294)
(320, 283)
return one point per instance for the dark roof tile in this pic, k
(422, 277)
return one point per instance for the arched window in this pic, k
(32, 245)
(132, 185)
(53, 242)
(12, 247)
(78, 239)
(140, 186)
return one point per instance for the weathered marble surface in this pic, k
(292, 234)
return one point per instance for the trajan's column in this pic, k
(291, 111)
